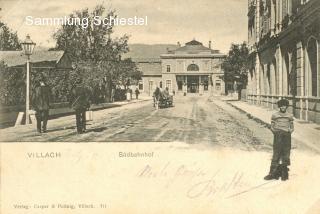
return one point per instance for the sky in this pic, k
(169, 21)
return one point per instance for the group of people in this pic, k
(130, 92)
(79, 100)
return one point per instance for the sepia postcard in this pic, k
(200, 107)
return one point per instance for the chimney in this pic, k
(210, 44)
(179, 45)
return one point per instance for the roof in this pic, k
(193, 42)
(16, 58)
(149, 68)
(144, 51)
(146, 60)
(195, 47)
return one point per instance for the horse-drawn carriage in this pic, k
(165, 102)
(162, 99)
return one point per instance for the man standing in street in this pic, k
(137, 93)
(80, 102)
(41, 104)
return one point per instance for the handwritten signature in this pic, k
(211, 187)
(199, 182)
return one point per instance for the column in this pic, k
(280, 72)
(273, 17)
(258, 78)
(318, 67)
(257, 24)
(266, 85)
(306, 79)
(300, 76)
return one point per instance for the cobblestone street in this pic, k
(193, 119)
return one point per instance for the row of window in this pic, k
(191, 87)
(191, 67)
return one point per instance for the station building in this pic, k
(193, 68)
(189, 69)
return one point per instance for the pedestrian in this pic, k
(80, 102)
(128, 94)
(137, 93)
(185, 89)
(41, 103)
(113, 91)
(130, 91)
(282, 128)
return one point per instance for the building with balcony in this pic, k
(283, 39)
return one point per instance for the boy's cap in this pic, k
(78, 80)
(283, 102)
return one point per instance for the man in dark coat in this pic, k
(41, 104)
(137, 93)
(80, 102)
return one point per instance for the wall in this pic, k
(156, 82)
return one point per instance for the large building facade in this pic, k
(193, 68)
(283, 39)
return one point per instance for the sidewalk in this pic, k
(66, 111)
(306, 133)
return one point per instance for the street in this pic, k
(209, 154)
(193, 119)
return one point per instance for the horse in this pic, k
(156, 98)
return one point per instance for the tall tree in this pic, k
(89, 41)
(96, 54)
(235, 66)
(8, 39)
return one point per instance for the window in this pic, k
(140, 86)
(168, 68)
(168, 84)
(180, 80)
(160, 84)
(218, 85)
(193, 67)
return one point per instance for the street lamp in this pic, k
(28, 46)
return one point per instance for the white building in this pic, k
(193, 68)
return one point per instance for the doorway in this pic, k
(193, 84)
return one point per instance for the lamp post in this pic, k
(28, 46)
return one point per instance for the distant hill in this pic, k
(143, 51)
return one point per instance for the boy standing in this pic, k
(282, 127)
